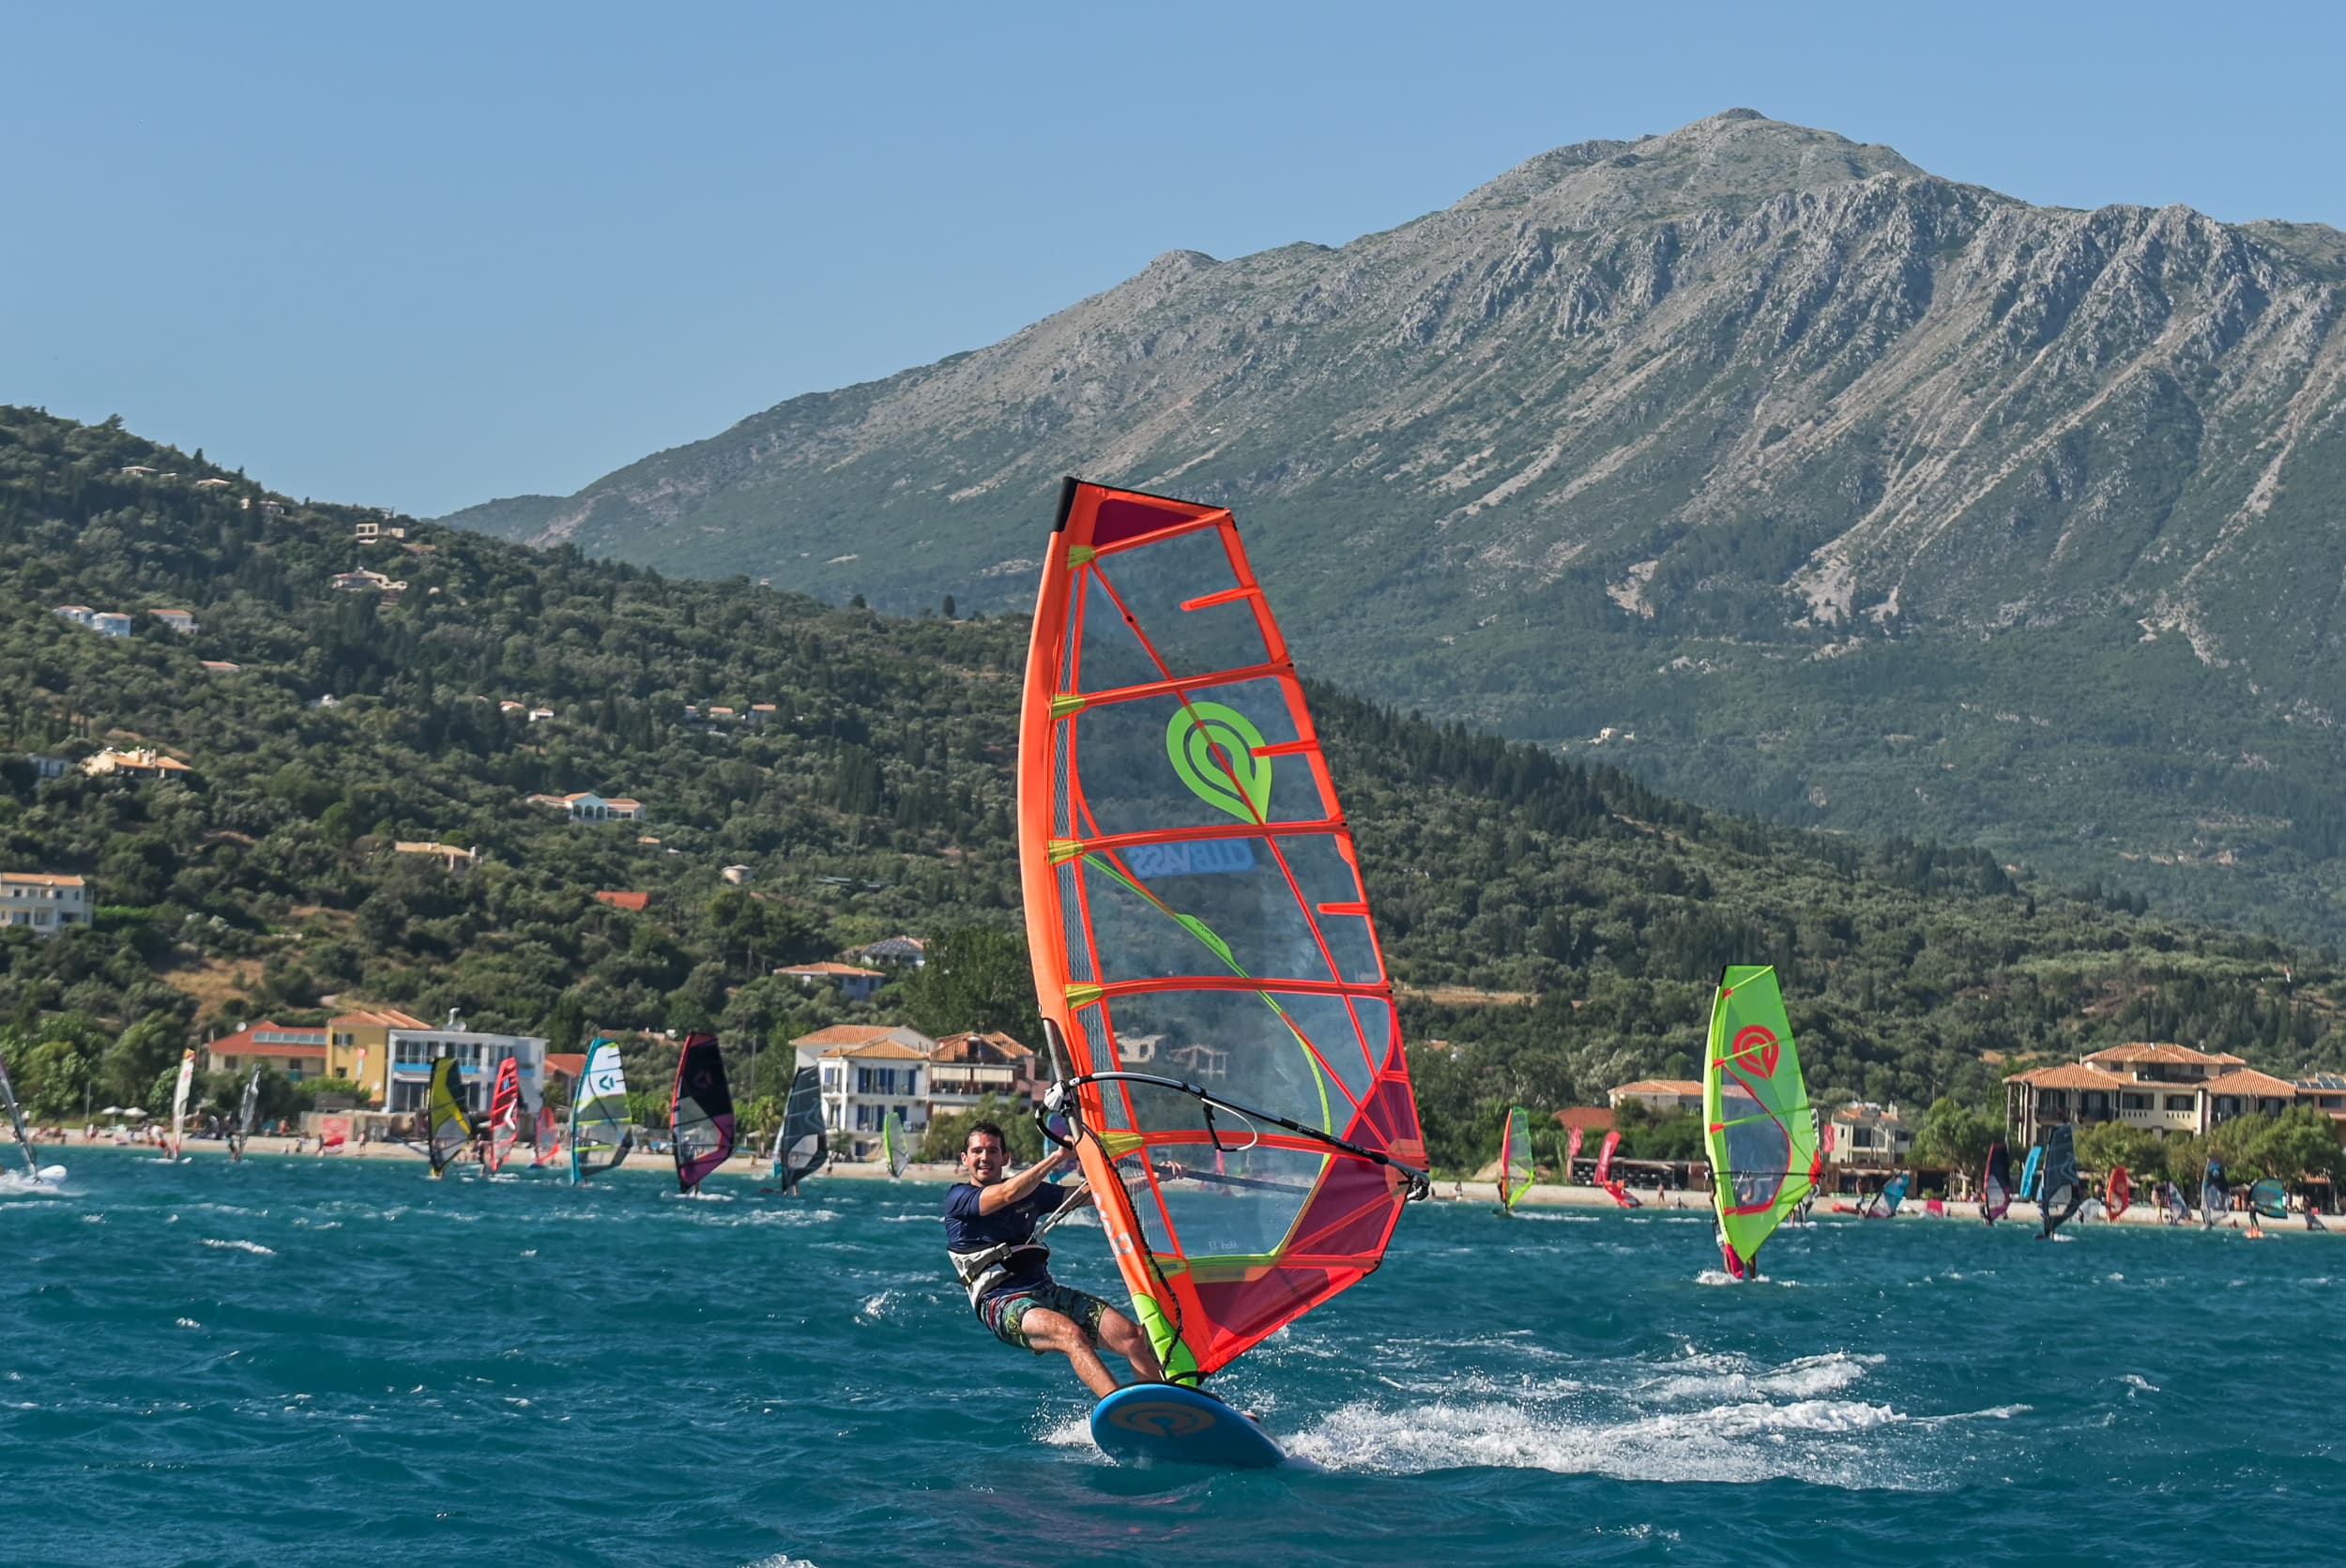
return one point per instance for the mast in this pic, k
(16, 1120)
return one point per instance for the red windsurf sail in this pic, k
(1200, 937)
(505, 1112)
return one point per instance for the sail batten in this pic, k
(1200, 935)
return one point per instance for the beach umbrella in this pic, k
(111, 1111)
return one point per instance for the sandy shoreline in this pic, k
(745, 1164)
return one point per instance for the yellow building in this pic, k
(359, 1047)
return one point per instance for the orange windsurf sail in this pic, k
(1212, 985)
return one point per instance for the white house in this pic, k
(109, 623)
(410, 1053)
(181, 621)
(42, 903)
(1869, 1134)
(586, 806)
(867, 1070)
(855, 985)
(1663, 1095)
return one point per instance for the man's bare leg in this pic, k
(1122, 1335)
(1045, 1330)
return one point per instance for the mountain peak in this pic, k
(1735, 159)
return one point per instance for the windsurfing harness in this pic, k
(986, 1264)
(1210, 980)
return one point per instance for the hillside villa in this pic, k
(855, 985)
(44, 902)
(450, 858)
(141, 762)
(1663, 1096)
(586, 806)
(2159, 1088)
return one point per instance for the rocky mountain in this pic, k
(1795, 476)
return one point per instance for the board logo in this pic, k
(1161, 1418)
(1756, 1051)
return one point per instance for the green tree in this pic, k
(1958, 1135)
(976, 978)
(942, 1139)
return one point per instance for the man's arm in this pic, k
(1017, 1189)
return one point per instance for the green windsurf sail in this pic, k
(1515, 1159)
(600, 1134)
(895, 1143)
(1758, 1127)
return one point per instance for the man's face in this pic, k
(986, 1157)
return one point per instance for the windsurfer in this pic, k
(990, 1224)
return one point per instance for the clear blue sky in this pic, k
(420, 255)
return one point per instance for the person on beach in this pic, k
(990, 1223)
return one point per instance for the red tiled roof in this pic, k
(2247, 1080)
(624, 900)
(569, 1063)
(889, 1050)
(386, 1017)
(827, 969)
(1661, 1086)
(1589, 1118)
(967, 1045)
(2165, 1054)
(2075, 1075)
(851, 1034)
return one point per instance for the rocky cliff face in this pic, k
(1646, 435)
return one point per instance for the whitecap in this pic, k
(1806, 1378)
(253, 1247)
(1734, 1443)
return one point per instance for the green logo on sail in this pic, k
(1212, 745)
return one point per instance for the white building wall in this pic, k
(407, 1074)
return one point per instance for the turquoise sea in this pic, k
(309, 1362)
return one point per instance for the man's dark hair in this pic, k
(985, 1129)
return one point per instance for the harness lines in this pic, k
(987, 1267)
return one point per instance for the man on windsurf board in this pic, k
(990, 1235)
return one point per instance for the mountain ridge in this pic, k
(1693, 415)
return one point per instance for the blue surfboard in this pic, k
(1152, 1423)
(2028, 1175)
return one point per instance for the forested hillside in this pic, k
(1556, 926)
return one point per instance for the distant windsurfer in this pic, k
(990, 1224)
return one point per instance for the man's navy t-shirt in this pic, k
(967, 1229)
